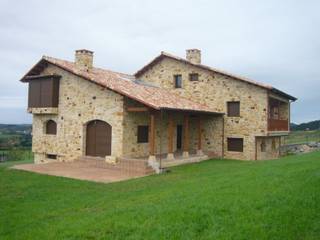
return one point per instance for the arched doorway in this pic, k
(98, 139)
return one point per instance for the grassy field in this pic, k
(302, 137)
(217, 199)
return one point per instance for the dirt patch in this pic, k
(78, 171)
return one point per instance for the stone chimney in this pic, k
(84, 59)
(193, 55)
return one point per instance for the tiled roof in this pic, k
(249, 81)
(124, 84)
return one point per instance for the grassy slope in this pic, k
(302, 137)
(217, 199)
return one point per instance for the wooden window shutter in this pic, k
(233, 109)
(44, 92)
(235, 144)
(34, 94)
(51, 127)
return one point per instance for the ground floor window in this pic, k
(51, 156)
(51, 127)
(143, 134)
(235, 144)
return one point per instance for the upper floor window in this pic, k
(177, 81)
(143, 134)
(44, 92)
(235, 144)
(193, 76)
(233, 109)
(51, 127)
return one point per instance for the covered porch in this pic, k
(174, 136)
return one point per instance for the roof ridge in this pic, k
(46, 57)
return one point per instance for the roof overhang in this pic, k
(283, 94)
(192, 111)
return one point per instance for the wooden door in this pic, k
(98, 142)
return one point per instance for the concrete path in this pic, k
(78, 171)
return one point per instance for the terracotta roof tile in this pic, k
(124, 84)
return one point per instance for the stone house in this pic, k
(173, 109)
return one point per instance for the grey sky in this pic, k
(275, 42)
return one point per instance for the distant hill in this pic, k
(313, 125)
(15, 128)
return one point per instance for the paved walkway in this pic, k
(78, 171)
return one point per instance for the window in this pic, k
(235, 144)
(177, 81)
(51, 127)
(44, 92)
(193, 76)
(143, 134)
(263, 145)
(233, 109)
(51, 156)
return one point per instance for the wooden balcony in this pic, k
(278, 125)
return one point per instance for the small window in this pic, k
(233, 109)
(235, 144)
(51, 156)
(143, 134)
(263, 146)
(177, 81)
(193, 76)
(51, 127)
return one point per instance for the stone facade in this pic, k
(80, 101)
(215, 90)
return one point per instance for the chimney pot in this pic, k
(193, 55)
(84, 59)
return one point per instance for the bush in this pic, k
(19, 154)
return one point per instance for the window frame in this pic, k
(143, 137)
(231, 112)
(234, 148)
(51, 131)
(177, 84)
(191, 75)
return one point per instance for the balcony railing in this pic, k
(278, 125)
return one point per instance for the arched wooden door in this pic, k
(98, 139)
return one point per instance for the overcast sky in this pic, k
(275, 42)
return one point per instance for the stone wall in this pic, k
(80, 101)
(216, 90)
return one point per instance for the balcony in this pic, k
(278, 125)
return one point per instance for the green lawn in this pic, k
(216, 199)
(302, 137)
